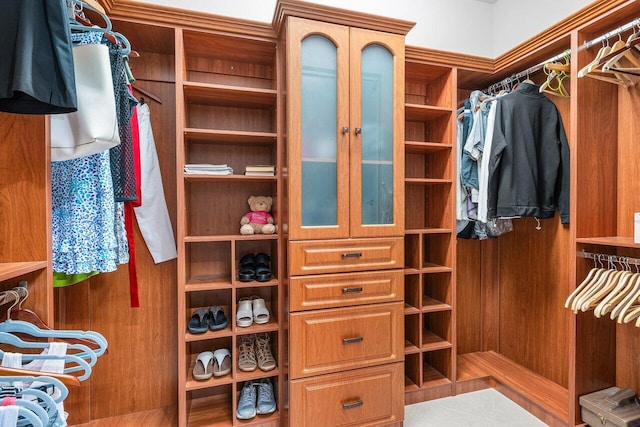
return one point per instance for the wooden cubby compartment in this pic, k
(436, 330)
(412, 374)
(412, 293)
(257, 374)
(208, 263)
(436, 368)
(436, 250)
(426, 161)
(437, 291)
(259, 419)
(270, 296)
(213, 406)
(256, 246)
(215, 206)
(196, 347)
(427, 84)
(204, 299)
(428, 205)
(412, 332)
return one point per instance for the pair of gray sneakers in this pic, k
(256, 397)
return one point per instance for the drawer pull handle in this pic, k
(352, 405)
(351, 290)
(354, 340)
(352, 255)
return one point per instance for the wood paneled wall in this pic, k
(139, 371)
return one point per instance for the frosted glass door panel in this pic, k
(319, 135)
(377, 135)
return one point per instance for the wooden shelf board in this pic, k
(261, 420)
(416, 112)
(271, 326)
(229, 238)
(425, 147)
(209, 335)
(212, 411)
(430, 305)
(531, 386)
(230, 136)
(10, 270)
(233, 96)
(255, 375)
(411, 271)
(234, 177)
(625, 242)
(255, 284)
(432, 342)
(409, 309)
(427, 181)
(410, 348)
(210, 383)
(419, 231)
(208, 283)
(434, 268)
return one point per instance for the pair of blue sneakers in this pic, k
(256, 398)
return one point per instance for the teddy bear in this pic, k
(258, 220)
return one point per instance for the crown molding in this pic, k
(335, 15)
(451, 59)
(171, 16)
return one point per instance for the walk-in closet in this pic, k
(328, 262)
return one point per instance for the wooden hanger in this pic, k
(591, 290)
(620, 310)
(605, 290)
(594, 68)
(590, 276)
(66, 379)
(616, 295)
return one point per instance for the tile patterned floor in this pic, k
(484, 408)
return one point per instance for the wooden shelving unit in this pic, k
(227, 102)
(429, 221)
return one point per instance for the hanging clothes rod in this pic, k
(612, 33)
(622, 260)
(527, 72)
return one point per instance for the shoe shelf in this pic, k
(429, 229)
(227, 90)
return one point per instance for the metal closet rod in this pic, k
(621, 29)
(527, 72)
(586, 45)
(622, 260)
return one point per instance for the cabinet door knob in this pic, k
(354, 340)
(351, 290)
(358, 131)
(345, 130)
(352, 405)
(352, 255)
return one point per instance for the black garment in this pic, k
(529, 159)
(36, 61)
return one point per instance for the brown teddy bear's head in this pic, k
(260, 203)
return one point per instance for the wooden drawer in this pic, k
(327, 341)
(363, 397)
(340, 290)
(338, 256)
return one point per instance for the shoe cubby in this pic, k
(258, 418)
(436, 330)
(205, 299)
(213, 406)
(195, 348)
(258, 373)
(255, 247)
(436, 291)
(436, 368)
(270, 296)
(412, 254)
(412, 332)
(436, 251)
(208, 265)
(216, 204)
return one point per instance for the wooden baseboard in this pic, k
(540, 396)
(161, 417)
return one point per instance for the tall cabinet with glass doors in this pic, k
(345, 132)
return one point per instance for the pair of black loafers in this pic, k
(255, 267)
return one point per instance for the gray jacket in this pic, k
(529, 159)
